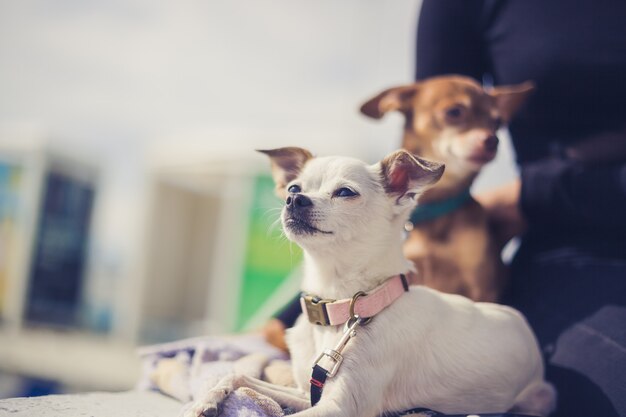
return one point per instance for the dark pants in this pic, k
(575, 300)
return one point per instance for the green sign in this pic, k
(270, 257)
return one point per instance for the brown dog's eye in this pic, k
(455, 113)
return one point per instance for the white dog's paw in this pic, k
(209, 406)
(201, 409)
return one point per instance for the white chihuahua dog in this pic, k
(422, 348)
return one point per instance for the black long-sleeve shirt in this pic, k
(575, 52)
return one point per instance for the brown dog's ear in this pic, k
(286, 165)
(407, 174)
(510, 98)
(396, 98)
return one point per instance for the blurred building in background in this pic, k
(133, 208)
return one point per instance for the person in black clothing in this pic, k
(569, 275)
(569, 205)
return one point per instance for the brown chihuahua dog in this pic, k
(452, 119)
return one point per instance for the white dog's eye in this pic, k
(345, 192)
(294, 189)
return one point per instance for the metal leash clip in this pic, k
(335, 354)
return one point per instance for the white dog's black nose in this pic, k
(298, 200)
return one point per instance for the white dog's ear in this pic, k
(405, 174)
(286, 165)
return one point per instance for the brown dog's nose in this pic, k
(491, 143)
(298, 200)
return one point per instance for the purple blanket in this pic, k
(187, 368)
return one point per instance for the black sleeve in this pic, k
(290, 312)
(575, 196)
(450, 39)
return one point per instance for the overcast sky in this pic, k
(141, 71)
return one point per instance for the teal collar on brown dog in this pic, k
(431, 211)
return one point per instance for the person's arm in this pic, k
(274, 329)
(290, 312)
(450, 39)
(572, 195)
(560, 194)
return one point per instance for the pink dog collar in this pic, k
(326, 312)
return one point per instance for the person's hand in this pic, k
(601, 147)
(274, 333)
(503, 211)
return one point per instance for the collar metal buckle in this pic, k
(316, 310)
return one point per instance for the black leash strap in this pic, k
(318, 379)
